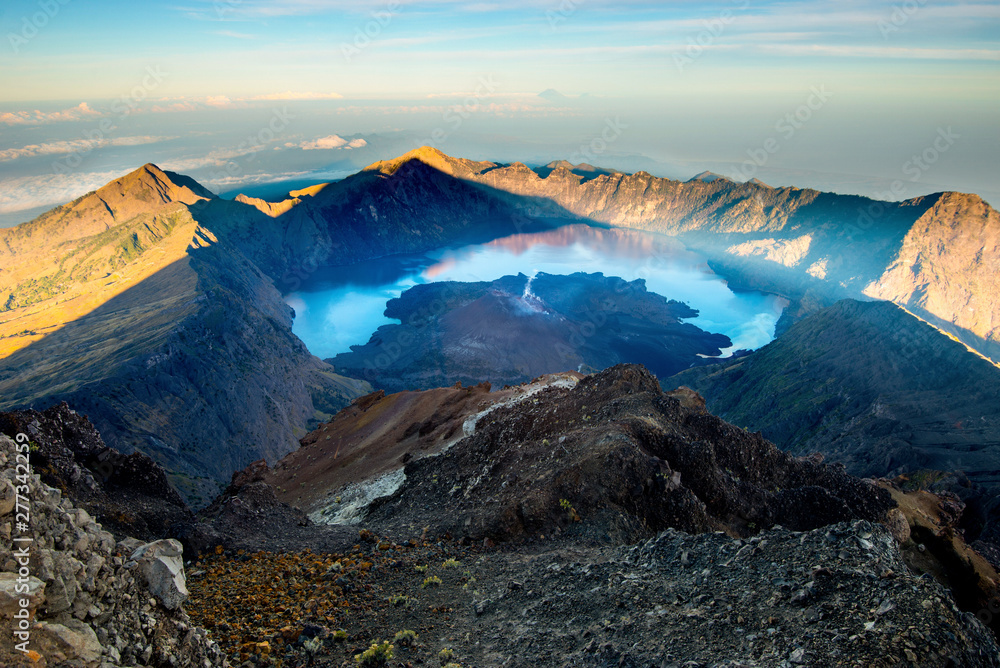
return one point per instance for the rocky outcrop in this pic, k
(629, 460)
(128, 494)
(161, 566)
(92, 601)
(932, 543)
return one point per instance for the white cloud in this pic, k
(75, 145)
(289, 95)
(332, 142)
(37, 117)
(174, 106)
(233, 33)
(881, 52)
(217, 158)
(228, 102)
(28, 192)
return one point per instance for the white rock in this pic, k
(10, 597)
(64, 642)
(80, 517)
(162, 567)
(8, 497)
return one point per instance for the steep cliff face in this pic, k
(946, 271)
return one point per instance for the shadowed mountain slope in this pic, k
(871, 386)
(170, 340)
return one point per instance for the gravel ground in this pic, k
(836, 596)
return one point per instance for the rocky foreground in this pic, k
(85, 598)
(578, 520)
(836, 596)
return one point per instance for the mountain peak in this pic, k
(552, 95)
(585, 170)
(556, 164)
(435, 159)
(708, 177)
(428, 155)
(150, 183)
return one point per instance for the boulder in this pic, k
(161, 565)
(8, 498)
(66, 642)
(10, 597)
(62, 593)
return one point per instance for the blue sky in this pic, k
(689, 85)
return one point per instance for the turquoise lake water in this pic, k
(343, 306)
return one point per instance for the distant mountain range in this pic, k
(155, 307)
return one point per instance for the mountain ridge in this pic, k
(121, 301)
(741, 223)
(104, 251)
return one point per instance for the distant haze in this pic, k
(877, 98)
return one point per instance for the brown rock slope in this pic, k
(627, 458)
(377, 435)
(934, 544)
(610, 448)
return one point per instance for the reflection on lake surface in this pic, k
(342, 306)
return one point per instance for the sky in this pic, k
(887, 99)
